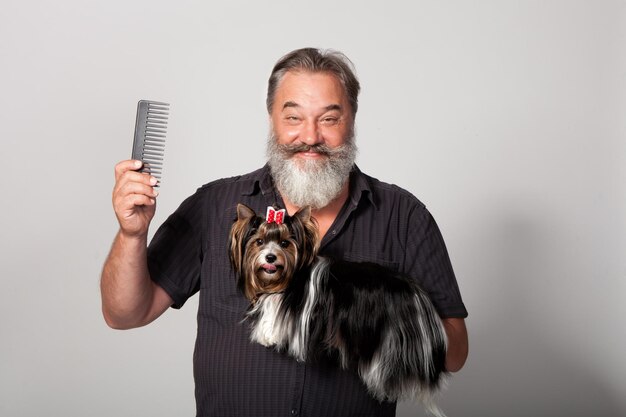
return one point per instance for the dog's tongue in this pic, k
(269, 267)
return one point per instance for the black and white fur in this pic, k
(376, 322)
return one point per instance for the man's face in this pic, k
(311, 109)
(311, 149)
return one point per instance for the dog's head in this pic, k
(266, 254)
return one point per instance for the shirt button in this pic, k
(294, 412)
(334, 232)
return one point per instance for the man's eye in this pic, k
(259, 242)
(284, 243)
(330, 120)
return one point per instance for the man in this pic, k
(312, 103)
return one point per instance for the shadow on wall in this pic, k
(526, 354)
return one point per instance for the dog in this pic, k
(369, 319)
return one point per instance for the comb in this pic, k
(149, 141)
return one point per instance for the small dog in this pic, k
(376, 322)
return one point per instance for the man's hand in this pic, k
(134, 198)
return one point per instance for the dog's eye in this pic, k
(259, 242)
(284, 243)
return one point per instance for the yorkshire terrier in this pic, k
(376, 322)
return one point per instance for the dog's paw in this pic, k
(264, 335)
(264, 332)
(267, 327)
(268, 341)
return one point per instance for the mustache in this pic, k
(320, 148)
(289, 150)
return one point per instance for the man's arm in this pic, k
(129, 297)
(458, 346)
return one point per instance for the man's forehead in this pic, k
(298, 88)
(293, 104)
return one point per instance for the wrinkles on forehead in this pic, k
(330, 107)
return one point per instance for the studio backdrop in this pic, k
(506, 118)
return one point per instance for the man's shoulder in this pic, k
(227, 191)
(385, 193)
(236, 181)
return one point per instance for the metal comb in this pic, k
(149, 141)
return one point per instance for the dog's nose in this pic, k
(270, 258)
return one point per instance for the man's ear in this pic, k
(304, 214)
(244, 212)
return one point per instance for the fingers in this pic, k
(131, 184)
(126, 171)
(125, 166)
(134, 197)
(140, 200)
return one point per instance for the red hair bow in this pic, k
(275, 216)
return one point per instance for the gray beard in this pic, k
(314, 183)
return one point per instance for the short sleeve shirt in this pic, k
(379, 223)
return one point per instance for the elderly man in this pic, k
(312, 102)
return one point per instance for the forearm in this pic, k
(458, 346)
(126, 288)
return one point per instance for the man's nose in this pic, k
(311, 134)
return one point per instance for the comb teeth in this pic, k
(150, 130)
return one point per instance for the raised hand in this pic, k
(134, 198)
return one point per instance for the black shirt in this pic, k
(379, 223)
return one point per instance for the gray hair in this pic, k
(316, 60)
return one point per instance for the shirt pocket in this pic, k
(219, 283)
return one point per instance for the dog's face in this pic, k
(266, 255)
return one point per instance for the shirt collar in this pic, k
(359, 186)
(259, 180)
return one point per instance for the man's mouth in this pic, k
(311, 155)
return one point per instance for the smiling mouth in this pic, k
(311, 154)
(270, 268)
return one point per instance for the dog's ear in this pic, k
(244, 212)
(238, 234)
(307, 234)
(304, 214)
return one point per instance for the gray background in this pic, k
(505, 117)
